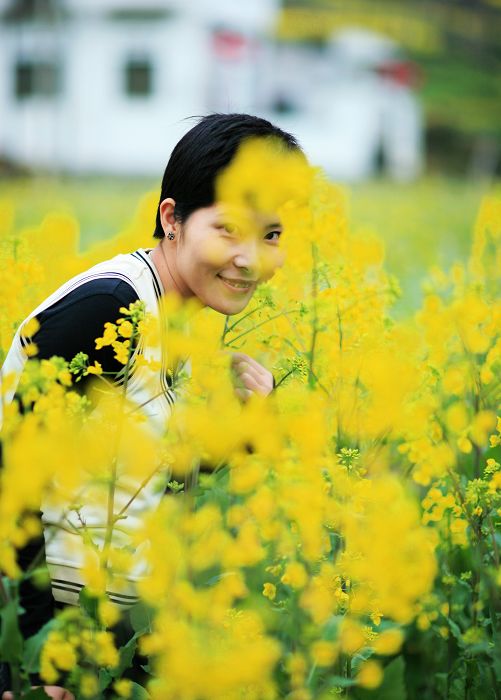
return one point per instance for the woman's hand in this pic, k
(53, 691)
(250, 376)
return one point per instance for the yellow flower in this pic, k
(352, 636)
(324, 653)
(376, 617)
(109, 614)
(123, 687)
(125, 329)
(30, 327)
(464, 445)
(105, 652)
(66, 657)
(93, 573)
(295, 575)
(370, 675)
(445, 609)
(89, 685)
(122, 350)
(31, 350)
(388, 642)
(96, 368)
(48, 671)
(269, 591)
(495, 482)
(296, 666)
(453, 381)
(459, 527)
(109, 336)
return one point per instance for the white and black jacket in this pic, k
(70, 319)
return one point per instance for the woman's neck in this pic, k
(171, 281)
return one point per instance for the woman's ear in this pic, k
(167, 218)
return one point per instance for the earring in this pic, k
(171, 236)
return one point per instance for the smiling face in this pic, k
(222, 255)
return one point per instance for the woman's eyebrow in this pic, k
(275, 225)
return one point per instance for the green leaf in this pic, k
(33, 648)
(35, 694)
(497, 665)
(138, 692)
(456, 688)
(392, 687)
(11, 640)
(480, 648)
(89, 604)
(440, 684)
(140, 618)
(105, 679)
(361, 656)
(496, 652)
(126, 656)
(340, 682)
(456, 631)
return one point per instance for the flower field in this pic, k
(337, 539)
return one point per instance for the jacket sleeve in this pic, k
(66, 328)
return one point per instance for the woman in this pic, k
(190, 226)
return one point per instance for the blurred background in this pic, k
(399, 100)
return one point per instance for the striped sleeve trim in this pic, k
(74, 587)
(158, 287)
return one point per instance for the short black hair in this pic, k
(207, 148)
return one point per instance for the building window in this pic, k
(34, 11)
(140, 14)
(36, 79)
(138, 78)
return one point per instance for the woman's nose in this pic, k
(247, 256)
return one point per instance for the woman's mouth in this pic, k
(237, 284)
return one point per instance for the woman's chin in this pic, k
(229, 308)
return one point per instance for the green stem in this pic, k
(311, 674)
(314, 322)
(228, 328)
(225, 329)
(450, 643)
(287, 374)
(3, 592)
(494, 543)
(304, 352)
(481, 552)
(16, 678)
(495, 683)
(135, 494)
(110, 518)
(348, 675)
(262, 323)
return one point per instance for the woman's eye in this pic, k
(273, 235)
(228, 228)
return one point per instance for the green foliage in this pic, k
(33, 648)
(392, 687)
(11, 641)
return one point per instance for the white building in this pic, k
(107, 85)
(354, 105)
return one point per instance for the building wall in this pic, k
(204, 56)
(92, 124)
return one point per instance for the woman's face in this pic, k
(222, 254)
